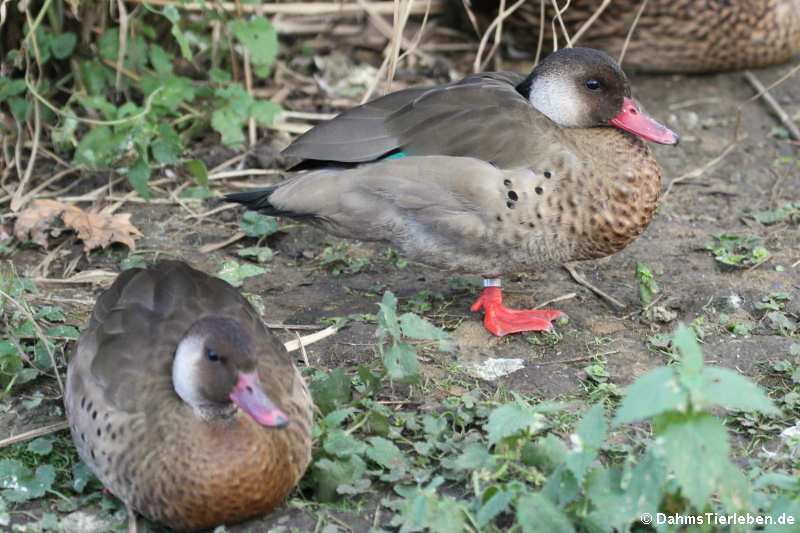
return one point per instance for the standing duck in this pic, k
(497, 173)
(182, 402)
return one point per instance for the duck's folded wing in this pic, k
(467, 118)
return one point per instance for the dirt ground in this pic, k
(297, 289)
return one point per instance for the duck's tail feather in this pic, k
(259, 201)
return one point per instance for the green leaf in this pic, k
(510, 419)
(692, 356)
(94, 75)
(331, 391)
(255, 224)
(587, 440)
(401, 363)
(385, 453)
(63, 330)
(331, 475)
(535, 514)
(41, 446)
(336, 417)
(195, 193)
(265, 111)
(653, 393)
(341, 444)
(696, 451)
(647, 284)
(63, 45)
(11, 88)
(235, 274)
(387, 317)
(21, 484)
(496, 504)
(231, 111)
(167, 146)
(731, 390)
(81, 476)
(416, 327)
(139, 175)
(259, 37)
(262, 254)
(172, 91)
(474, 457)
(161, 59)
(198, 169)
(96, 147)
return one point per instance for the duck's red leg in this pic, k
(501, 320)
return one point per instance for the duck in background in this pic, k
(182, 402)
(689, 36)
(494, 174)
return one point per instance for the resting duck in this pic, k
(681, 35)
(497, 173)
(182, 402)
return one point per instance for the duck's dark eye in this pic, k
(212, 355)
(593, 85)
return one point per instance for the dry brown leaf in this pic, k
(95, 229)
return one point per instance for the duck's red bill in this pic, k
(632, 119)
(251, 399)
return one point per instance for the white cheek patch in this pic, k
(184, 368)
(557, 99)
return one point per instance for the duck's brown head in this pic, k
(215, 364)
(585, 88)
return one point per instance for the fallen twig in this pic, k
(578, 277)
(32, 434)
(763, 92)
(310, 339)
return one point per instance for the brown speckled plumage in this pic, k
(488, 184)
(146, 445)
(682, 35)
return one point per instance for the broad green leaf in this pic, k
(691, 355)
(387, 316)
(63, 45)
(536, 514)
(235, 274)
(423, 509)
(262, 254)
(546, 453)
(785, 513)
(63, 330)
(341, 444)
(95, 149)
(401, 363)
(331, 391)
(587, 439)
(81, 476)
(259, 37)
(139, 175)
(416, 327)
(474, 457)
(257, 225)
(11, 88)
(265, 111)
(614, 506)
(696, 451)
(20, 484)
(172, 91)
(731, 390)
(332, 474)
(510, 419)
(161, 59)
(94, 76)
(198, 169)
(41, 446)
(496, 504)
(167, 147)
(386, 453)
(653, 393)
(335, 418)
